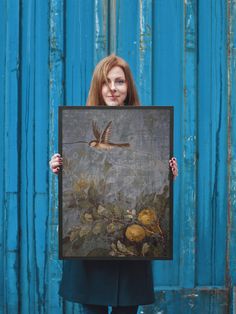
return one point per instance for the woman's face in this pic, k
(115, 93)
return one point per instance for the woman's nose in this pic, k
(112, 85)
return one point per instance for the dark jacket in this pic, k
(115, 283)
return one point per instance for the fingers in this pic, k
(174, 172)
(56, 155)
(56, 163)
(56, 170)
(174, 166)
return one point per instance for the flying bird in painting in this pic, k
(102, 139)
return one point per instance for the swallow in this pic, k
(102, 139)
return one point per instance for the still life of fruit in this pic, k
(108, 230)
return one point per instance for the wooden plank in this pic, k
(204, 216)
(56, 97)
(112, 26)
(212, 144)
(233, 303)
(144, 53)
(232, 138)
(231, 258)
(135, 45)
(41, 118)
(167, 72)
(101, 30)
(3, 53)
(127, 33)
(79, 49)
(11, 173)
(11, 254)
(27, 257)
(188, 166)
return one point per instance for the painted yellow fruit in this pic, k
(147, 217)
(135, 233)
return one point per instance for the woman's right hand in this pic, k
(56, 163)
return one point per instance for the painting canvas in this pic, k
(115, 188)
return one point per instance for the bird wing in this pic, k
(96, 131)
(106, 133)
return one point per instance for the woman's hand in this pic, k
(174, 166)
(56, 163)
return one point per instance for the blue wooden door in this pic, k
(182, 53)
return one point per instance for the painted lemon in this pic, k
(147, 216)
(135, 233)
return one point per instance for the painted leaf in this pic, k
(74, 234)
(97, 228)
(145, 248)
(85, 230)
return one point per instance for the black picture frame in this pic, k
(116, 187)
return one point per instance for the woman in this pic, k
(121, 284)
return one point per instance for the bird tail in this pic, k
(124, 145)
(76, 142)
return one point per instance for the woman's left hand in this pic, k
(174, 166)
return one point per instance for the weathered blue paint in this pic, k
(168, 88)
(231, 230)
(182, 53)
(212, 144)
(101, 30)
(33, 155)
(2, 150)
(191, 301)
(188, 204)
(10, 147)
(56, 97)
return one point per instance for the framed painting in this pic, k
(115, 188)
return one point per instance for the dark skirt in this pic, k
(115, 283)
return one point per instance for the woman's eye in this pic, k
(120, 82)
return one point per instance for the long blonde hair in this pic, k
(100, 77)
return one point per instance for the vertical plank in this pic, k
(212, 144)
(56, 97)
(27, 265)
(188, 166)
(11, 143)
(3, 50)
(112, 26)
(79, 49)
(41, 118)
(145, 33)
(205, 139)
(167, 72)
(232, 149)
(101, 39)
(135, 45)
(219, 197)
(127, 43)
